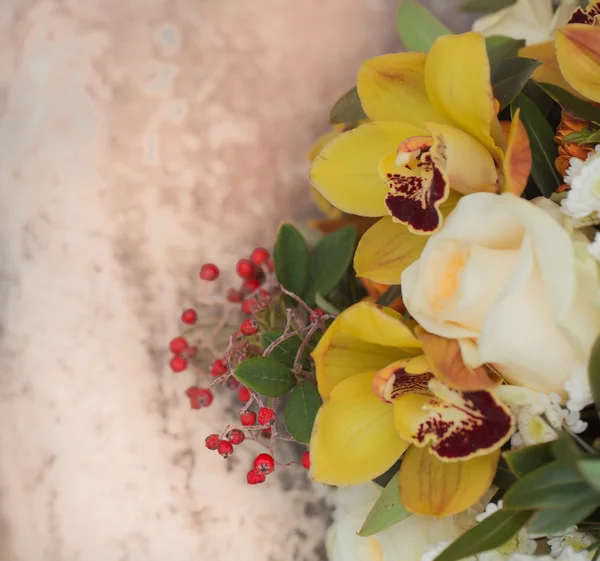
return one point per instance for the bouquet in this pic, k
(430, 346)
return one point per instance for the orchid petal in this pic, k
(354, 439)
(429, 486)
(346, 170)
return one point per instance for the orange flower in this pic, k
(376, 290)
(569, 124)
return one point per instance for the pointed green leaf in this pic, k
(491, 533)
(265, 375)
(417, 27)
(574, 104)
(554, 521)
(485, 5)
(590, 469)
(286, 351)
(543, 148)
(594, 373)
(301, 410)
(329, 261)
(290, 257)
(387, 511)
(325, 305)
(504, 478)
(347, 109)
(509, 77)
(526, 459)
(499, 47)
(554, 485)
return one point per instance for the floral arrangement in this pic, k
(432, 343)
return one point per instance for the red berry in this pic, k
(178, 345)
(248, 306)
(225, 448)
(254, 477)
(271, 265)
(265, 416)
(212, 441)
(267, 433)
(209, 272)
(317, 313)
(199, 397)
(236, 436)
(234, 295)
(244, 395)
(259, 256)
(232, 383)
(249, 327)
(248, 418)
(306, 460)
(264, 463)
(218, 368)
(178, 364)
(189, 316)
(245, 268)
(250, 285)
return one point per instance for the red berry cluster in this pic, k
(224, 446)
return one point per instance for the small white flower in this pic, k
(569, 539)
(490, 509)
(578, 388)
(582, 202)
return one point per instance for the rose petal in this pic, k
(429, 486)
(354, 439)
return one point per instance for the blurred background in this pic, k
(139, 139)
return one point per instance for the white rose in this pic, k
(505, 278)
(406, 540)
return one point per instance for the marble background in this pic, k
(138, 139)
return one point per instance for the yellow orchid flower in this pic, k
(383, 399)
(572, 61)
(433, 128)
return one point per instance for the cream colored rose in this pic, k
(406, 540)
(505, 278)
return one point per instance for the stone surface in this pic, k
(138, 139)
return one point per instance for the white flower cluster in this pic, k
(542, 418)
(583, 199)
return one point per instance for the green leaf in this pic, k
(390, 295)
(491, 533)
(325, 305)
(286, 351)
(290, 256)
(485, 5)
(499, 47)
(543, 147)
(575, 105)
(329, 261)
(301, 410)
(265, 375)
(509, 77)
(504, 478)
(554, 485)
(387, 511)
(594, 373)
(526, 459)
(565, 449)
(555, 520)
(347, 109)
(417, 27)
(590, 469)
